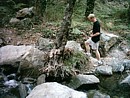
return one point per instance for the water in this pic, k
(109, 85)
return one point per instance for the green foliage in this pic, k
(15, 6)
(45, 32)
(120, 27)
(90, 7)
(19, 6)
(10, 3)
(5, 14)
(77, 60)
(113, 15)
(54, 12)
(75, 34)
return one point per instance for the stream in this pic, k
(12, 87)
(11, 84)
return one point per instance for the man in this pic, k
(94, 39)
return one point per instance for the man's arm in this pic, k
(96, 34)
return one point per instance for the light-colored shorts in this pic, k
(92, 44)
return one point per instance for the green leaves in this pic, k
(76, 31)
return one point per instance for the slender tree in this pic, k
(89, 7)
(129, 12)
(55, 67)
(40, 7)
(65, 25)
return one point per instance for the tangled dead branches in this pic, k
(56, 67)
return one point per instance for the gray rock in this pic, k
(80, 80)
(124, 46)
(126, 80)
(74, 46)
(118, 67)
(115, 59)
(55, 90)
(104, 70)
(107, 42)
(126, 64)
(12, 53)
(100, 95)
(28, 56)
(41, 79)
(22, 90)
(25, 23)
(44, 44)
(14, 20)
(25, 12)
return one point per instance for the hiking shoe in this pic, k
(88, 54)
(100, 62)
(95, 65)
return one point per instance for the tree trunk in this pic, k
(129, 12)
(65, 25)
(89, 7)
(40, 7)
(104, 1)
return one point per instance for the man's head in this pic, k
(91, 17)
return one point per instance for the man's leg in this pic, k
(97, 55)
(87, 47)
(95, 47)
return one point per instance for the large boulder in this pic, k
(104, 70)
(118, 67)
(81, 80)
(55, 90)
(107, 42)
(74, 46)
(115, 63)
(115, 59)
(14, 20)
(28, 56)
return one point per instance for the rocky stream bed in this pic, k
(20, 76)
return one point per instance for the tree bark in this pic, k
(89, 7)
(129, 12)
(65, 25)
